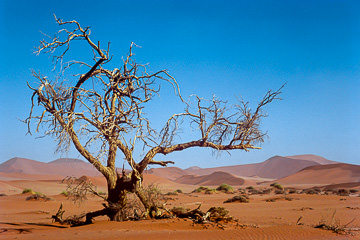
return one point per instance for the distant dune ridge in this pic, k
(62, 167)
(215, 178)
(171, 173)
(275, 167)
(325, 174)
(299, 169)
(287, 169)
(313, 158)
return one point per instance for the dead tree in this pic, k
(102, 114)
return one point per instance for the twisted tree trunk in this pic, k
(117, 195)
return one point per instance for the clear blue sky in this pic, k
(226, 48)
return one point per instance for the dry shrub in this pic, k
(218, 214)
(200, 189)
(332, 224)
(241, 191)
(254, 191)
(353, 191)
(153, 194)
(277, 186)
(134, 209)
(78, 189)
(278, 191)
(28, 190)
(210, 191)
(306, 208)
(38, 197)
(225, 188)
(65, 193)
(171, 194)
(272, 199)
(343, 192)
(311, 191)
(238, 198)
(292, 191)
(265, 191)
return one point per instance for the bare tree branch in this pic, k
(109, 118)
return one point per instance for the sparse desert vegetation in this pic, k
(238, 198)
(210, 191)
(38, 197)
(65, 193)
(226, 188)
(178, 191)
(277, 186)
(293, 208)
(171, 193)
(333, 224)
(240, 212)
(200, 189)
(28, 190)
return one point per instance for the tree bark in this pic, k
(118, 187)
(116, 198)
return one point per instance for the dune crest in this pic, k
(325, 174)
(215, 178)
(62, 167)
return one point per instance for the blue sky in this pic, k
(226, 48)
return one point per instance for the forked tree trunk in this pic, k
(117, 196)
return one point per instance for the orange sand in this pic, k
(262, 220)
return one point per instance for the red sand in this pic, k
(20, 219)
(215, 178)
(262, 220)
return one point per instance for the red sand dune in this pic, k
(63, 167)
(275, 167)
(22, 165)
(355, 185)
(171, 173)
(215, 178)
(314, 158)
(165, 184)
(325, 174)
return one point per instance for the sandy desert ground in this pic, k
(265, 216)
(258, 219)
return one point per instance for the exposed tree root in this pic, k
(72, 221)
(213, 215)
(76, 220)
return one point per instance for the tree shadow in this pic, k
(32, 224)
